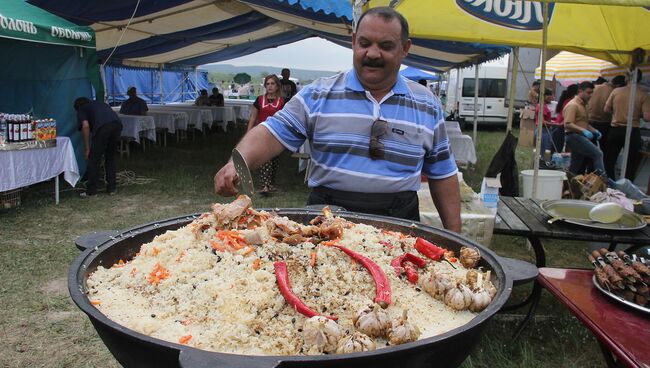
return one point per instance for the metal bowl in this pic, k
(133, 349)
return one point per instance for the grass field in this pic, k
(41, 327)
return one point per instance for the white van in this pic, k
(491, 97)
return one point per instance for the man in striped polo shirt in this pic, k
(372, 133)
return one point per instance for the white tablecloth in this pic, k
(25, 167)
(463, 149)
(242, 108)
(462, 145)
(198, 115)
(134, 126)
(170, 120)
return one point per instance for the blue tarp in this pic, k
(178, 85)
(417, 74)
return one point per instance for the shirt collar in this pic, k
(352, 82)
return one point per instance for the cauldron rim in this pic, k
(78, 272)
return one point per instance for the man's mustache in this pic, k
(373, 63)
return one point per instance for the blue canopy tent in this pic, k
(416, 74)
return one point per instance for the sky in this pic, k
(312, 53)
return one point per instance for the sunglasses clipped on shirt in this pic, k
(378, 129)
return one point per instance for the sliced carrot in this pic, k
(133, 271)
(248, 250)
(256, 264)
(181, 256)
(452, 259)
(328, 243)
(119, 264)
(158, 274)
(155, 251)
(186, 322)
(95, 302)
(217, 246)
(185, 339)
(312, 260)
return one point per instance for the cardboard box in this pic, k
(527, 133)
(490, 193)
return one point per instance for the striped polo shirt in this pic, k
(336, 114)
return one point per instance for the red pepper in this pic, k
(382, 287)
(408, 262)
(429, 249)
(282, 278)
(386, 244)
(411, 272)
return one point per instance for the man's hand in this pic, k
(225, 180)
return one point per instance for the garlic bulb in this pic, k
(402, 331)
(321, 334)
(372, 321)
(459, 298)
(469, 257)
(354, 343)
(480, 300)
(436, 284)
(489, 286)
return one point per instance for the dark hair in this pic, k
(287, 69)
(548, 92)
(600, 80)
(536, 83)
(215, 88)
(566, 95)
(204, 92)
(639, 76)
(388, 14)
(585, 85)
(619, 81)
(80, 101)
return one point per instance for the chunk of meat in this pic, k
(227, 213)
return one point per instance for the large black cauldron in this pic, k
(133, 349)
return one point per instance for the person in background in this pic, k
(548, 130)
(580, 135)
(423, 82)
(288, 88)
(533, 94)
(264, 107)
(372, 133)
(565, 97)
(101, 129)
(598, 82)
(203, 99)
(617, 105)
(216, 98)
(134, 105)
(598, 117)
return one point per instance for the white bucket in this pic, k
(549, 183)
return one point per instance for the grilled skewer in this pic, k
(624, 270)
(601, 276)
(639, 267)
(615, 280)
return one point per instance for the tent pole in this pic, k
(113, 86)
(540, 114)
(458, 92)
(628, 128)
(162, 100)
(513, 86)
(475, 103)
